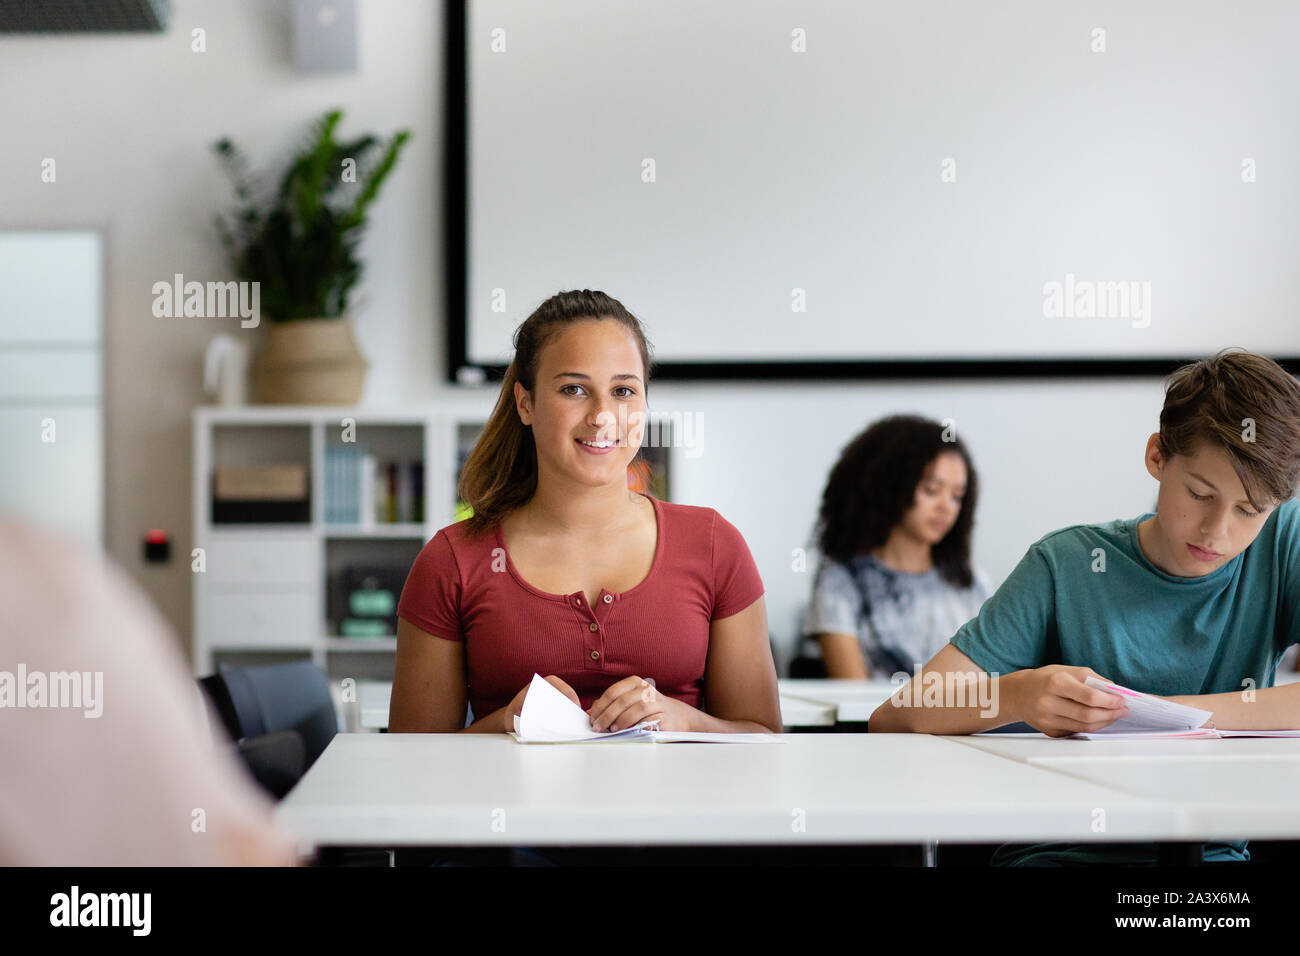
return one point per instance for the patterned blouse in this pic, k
(902, 619)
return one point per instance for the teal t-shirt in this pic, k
(1087, 596)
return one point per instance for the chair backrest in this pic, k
(254, 701)
(275, 760)
(802, 667)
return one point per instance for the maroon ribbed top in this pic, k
(464, 589)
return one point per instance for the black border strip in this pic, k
(460, 371)
(914, 370)
(455, 194)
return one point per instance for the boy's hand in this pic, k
(1056, 701)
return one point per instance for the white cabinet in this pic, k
(266, 592)
(244, 619)
(259, 560)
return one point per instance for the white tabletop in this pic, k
(450, 790)
(805, 702)
(1234, 788)
(798, 712)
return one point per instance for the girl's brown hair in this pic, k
(1249, 406)
(501, 471)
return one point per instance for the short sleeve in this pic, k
(1288, 550)
(431, 596)
(1010, 632)
(736, 582)
(835, 602)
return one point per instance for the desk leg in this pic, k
(928, 853)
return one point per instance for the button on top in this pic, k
(608, 598)
(595, 655)
(593, 626)
(578, 601)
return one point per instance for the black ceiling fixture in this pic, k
(84, 16)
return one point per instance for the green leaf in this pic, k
(301, 245)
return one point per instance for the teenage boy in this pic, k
(1196, 602)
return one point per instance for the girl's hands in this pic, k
(516, 706)
(635, 699)
(1055, 700)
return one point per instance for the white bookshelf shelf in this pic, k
(351, 644)
(265, 592)
(378, 531)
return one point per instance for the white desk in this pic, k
(391, 790)
(805, 702)
(854, 700)
(1227, 789)
(374, 698)
(799, 713)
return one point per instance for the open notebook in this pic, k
(1155, 717)
(549, 717)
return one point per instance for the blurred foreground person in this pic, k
(104, 756)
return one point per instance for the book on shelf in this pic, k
(364, 490)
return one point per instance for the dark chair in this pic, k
(275, 760)
(279, 717)
(802, 667)
(253, 701)
(807, 661)
(282, 717)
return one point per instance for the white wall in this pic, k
(129, 121)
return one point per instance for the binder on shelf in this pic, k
(366, 495)
(403, 491)
(417, 492)
(363, 490)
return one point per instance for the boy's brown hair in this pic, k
(1249, 406)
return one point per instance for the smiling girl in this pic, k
(637, 609)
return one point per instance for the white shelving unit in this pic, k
(263, 596)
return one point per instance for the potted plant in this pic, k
(300, 245)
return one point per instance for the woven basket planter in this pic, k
(309, 362)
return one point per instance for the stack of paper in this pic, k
(1155, 717)
(548, 717)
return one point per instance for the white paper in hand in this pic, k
(1151, 716)
(550, 717)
